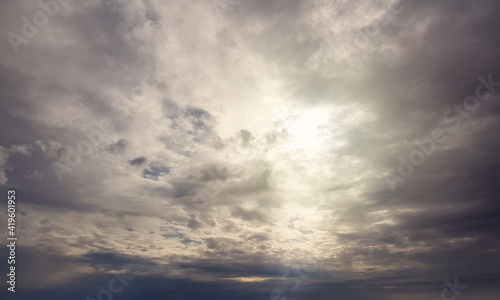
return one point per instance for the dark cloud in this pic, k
(246, 137)
(138, 161)
(119, 146)
(215, 172)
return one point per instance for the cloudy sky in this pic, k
(252, 149)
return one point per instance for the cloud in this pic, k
(138, 161)
(119, 146)
(216, 145)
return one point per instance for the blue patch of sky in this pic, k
(154, 172)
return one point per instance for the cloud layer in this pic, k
(248, 149)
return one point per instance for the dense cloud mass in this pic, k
(252, 149)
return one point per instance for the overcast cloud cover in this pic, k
(252, 149)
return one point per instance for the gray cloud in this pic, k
(282, 118)
(138, 161)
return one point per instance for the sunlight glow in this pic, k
(308, 130)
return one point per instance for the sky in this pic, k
(251, 149)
